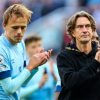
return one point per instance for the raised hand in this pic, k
(97, 56)
(38, 59)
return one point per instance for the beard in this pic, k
(84, 41)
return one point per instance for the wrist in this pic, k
(29, 68)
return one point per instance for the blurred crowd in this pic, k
(49, 18)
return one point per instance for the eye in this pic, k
(88, 26)
(15, 27)
(23, 27)
(79, 26)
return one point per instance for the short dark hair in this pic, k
(31, 39)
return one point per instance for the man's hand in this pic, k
(38, 59)
(48, 54)
(97, 56)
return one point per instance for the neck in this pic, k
(11, 41)
(86, 48)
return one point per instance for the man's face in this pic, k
(33, 47)
(15, 29)
(83, 32)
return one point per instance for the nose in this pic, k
(19, 30)
(84, 29)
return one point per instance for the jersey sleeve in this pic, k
(5, 70)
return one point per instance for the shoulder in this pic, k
(66, 53)
(4, 54)
(3, 46)
(3, 49)
(64, 57)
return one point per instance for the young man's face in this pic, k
(15, 28)
(83, 32)
(32, 48)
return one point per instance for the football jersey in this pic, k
(12, 62)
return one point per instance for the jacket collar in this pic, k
(72, 47)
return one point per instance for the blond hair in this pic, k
(16, 9)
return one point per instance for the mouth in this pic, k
(18, 37)
(84, 36)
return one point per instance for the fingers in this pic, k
(50, 51)
(47, 54)
(97, 56)
(43, 62)
(40, 58)
(98, 48)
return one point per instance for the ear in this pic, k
(73, 34)
(3, 25)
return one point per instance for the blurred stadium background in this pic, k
(49, 18)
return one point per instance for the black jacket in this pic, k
(80, 74)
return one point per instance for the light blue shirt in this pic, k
(12, 71)
(48, 90)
